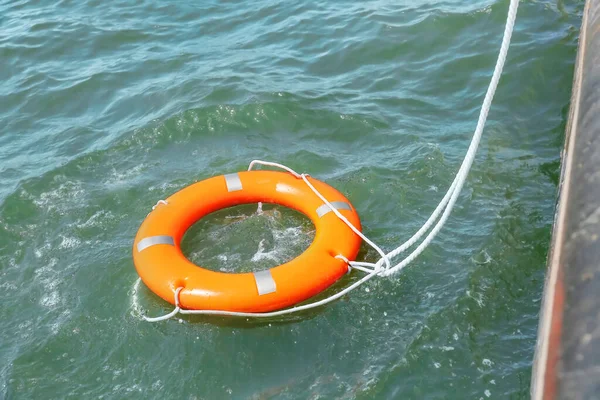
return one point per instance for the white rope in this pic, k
(462, 174)
(276, 165)
(444, 207)
(159, 202)
(172, 313)
(384, 257)
(179, 310)
(361, 266)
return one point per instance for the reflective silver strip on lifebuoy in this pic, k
(338, 205)
(264, 282)
(233, 182)
(153, 240)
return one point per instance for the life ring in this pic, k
(162, 266)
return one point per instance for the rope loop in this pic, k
(159, 202)
(170, 315)
(276, 165)
(344, 259)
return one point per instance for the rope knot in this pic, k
(159, 202)
(344, 259)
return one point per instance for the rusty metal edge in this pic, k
(544, 379)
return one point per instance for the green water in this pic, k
(106, 107)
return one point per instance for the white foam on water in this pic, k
(478, 299)
(6, 286)
(158, 385)
(136, 309)
(50, 300)
(164, 187)
(261, 254)
(487, 362)
(482, 258)
(95, 220)
(231, 261)
(276, 244)
(69, 242)
(281, 247)
(134, 388)
(26, 328)
(61, 198)
(118, 178)
(39, 252)
(369, 371)
(60, 321)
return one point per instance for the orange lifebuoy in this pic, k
(163, 268)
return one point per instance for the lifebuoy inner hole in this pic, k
(247, 238)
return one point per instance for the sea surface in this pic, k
(107, 107)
